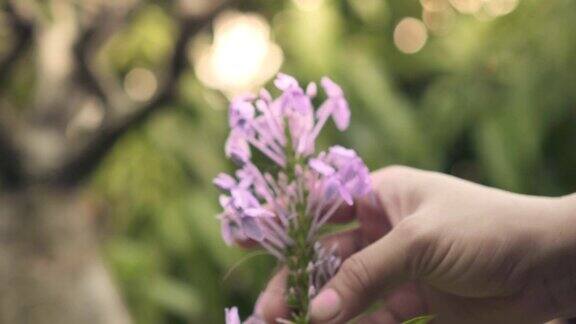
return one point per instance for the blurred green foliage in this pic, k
(491, 101)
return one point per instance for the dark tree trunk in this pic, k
(50, 267)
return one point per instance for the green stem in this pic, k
(301, 253)
(299, 256)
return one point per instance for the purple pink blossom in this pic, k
(304, 189)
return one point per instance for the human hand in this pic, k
(433, 244)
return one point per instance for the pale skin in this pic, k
(429, 243)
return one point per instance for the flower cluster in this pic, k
(232, 317)
(284, 209)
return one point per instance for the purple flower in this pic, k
(241, 113)
(237, 148)
(232, 316)
(285, 81)
(321, 167)
(265, 123)
(333, 177)
(326, 265)
(311, 89)
(338, 106)
(252, 228)
(268, 206)
(231, 231)
(224, 182)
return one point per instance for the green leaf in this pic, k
(177, 296)
(420, 320)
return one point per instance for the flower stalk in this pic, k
(300, 253)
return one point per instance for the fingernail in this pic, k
(259, 306)
(325, 306)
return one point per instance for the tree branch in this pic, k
(11, 170)
(103, 26)
(22, 31)
(83, 161)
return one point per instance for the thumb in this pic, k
(362, 278)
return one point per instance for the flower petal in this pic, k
(252, 229)
(224, 182)
(321, 167)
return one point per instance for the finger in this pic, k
(452, 309)
(401, 305)
(373, 270)
(406, 302)
(396, 192)
(346, 243)
(346, 213)
(380, 316)
(389, 184)
(372, 217)
(271, 303)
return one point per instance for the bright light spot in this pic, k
(372, 11)
(88, 118)
(483, 15)
(467, 6)
(410, 35)
(435, 5)
(242, 56)
(54, 42)
(140, 84)
(497, 8)
(308, 5)
(196, 7)
(438, 22)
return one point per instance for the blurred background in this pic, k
(113, 119)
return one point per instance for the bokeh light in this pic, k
(438, 22)
(483, 9)
(374, 12)
(410, 35)
(308, 5)
(140, 84)
(242, 56)
(467, 6)
(88, 118)
(435, 5)
(195, 7)
(496, 8)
